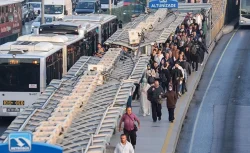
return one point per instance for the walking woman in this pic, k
(145, 105)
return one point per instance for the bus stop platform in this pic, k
(161, 136)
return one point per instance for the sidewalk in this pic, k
(162, 136)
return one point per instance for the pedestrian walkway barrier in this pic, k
(55, 95)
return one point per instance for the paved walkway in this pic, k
(161, 137)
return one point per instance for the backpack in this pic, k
(194, 49)
(163, 77)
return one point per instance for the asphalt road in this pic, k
(218, 118)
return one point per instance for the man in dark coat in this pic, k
(171, 103)
(154, 93)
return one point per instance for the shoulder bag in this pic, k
(135, 127)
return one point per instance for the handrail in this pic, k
(83, 65)
(111, 105)
(90, 141)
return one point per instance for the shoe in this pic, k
(154, 121)
(144, 115)
(201, 63)
(171, 121)
(148, 114)
(159, 118)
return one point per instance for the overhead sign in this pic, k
(155, 4)
(21, 142)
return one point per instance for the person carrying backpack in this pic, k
(194, 54)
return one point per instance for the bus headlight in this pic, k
(75, 13)
(242, 21)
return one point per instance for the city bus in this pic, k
(244, 12)
(73, 44)
(10, 20)
(26, 69)
(107, 24)
(76, 39)
(36, 5)
(57, 8)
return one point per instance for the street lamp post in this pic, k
(42, 12)
(110, 7)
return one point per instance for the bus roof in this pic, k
(96, 18)
(83, 27)
(2, 3)
(28, 49)
(56, 39)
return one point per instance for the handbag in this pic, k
(135, 127)
(160, 101)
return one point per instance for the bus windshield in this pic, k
(35, 5)
(19, 75)
(85, 5)
(53, 9)
(245, 7)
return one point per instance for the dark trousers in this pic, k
(176, 86)
(131, 136)
(164, 86)
(170, 114)
(195, 64)
(156, 110)
(136, 93)
(184, 86)
(129, 103)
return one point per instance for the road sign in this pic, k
(21, 142)
(155, 4)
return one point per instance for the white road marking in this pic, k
(205, 94)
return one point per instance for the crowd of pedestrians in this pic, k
(166, 77)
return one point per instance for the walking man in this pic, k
(154, 93)
(171, 102)
(130, 127)
(124, 146)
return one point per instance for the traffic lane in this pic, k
(218, 92)
(235, 130)
(4, 123)
(186, 133)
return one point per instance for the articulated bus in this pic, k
(107, 24)
(26, 68)
(74, 41)
(244, 12)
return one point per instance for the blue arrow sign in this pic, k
(155, 4)
(21, 142)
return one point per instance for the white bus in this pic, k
(244, 12)
(107, 23)
(26, 67)
(57, 8)
(72, 46)
(36, 5)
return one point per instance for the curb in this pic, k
(227, 29)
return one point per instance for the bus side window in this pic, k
(54, 66)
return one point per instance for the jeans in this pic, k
(129, 103)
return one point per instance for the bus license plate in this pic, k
(13, 102)
(11, 110)
(104, 6)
